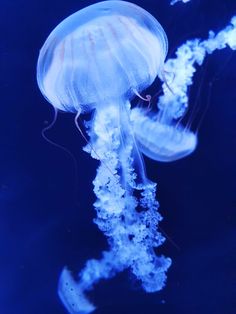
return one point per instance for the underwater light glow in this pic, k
(99, 59)
(175, 1)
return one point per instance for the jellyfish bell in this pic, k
(100, 57)
(104, 52)
(160, 138)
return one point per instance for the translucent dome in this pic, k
(162, 141)
(105, 51)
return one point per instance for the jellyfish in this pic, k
(160, 137)
(97, 60)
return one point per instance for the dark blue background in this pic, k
(46, 217)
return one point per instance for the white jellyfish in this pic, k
(98, 59)
(160, 137)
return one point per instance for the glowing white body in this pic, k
(159, 141)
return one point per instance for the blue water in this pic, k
(46, 210)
